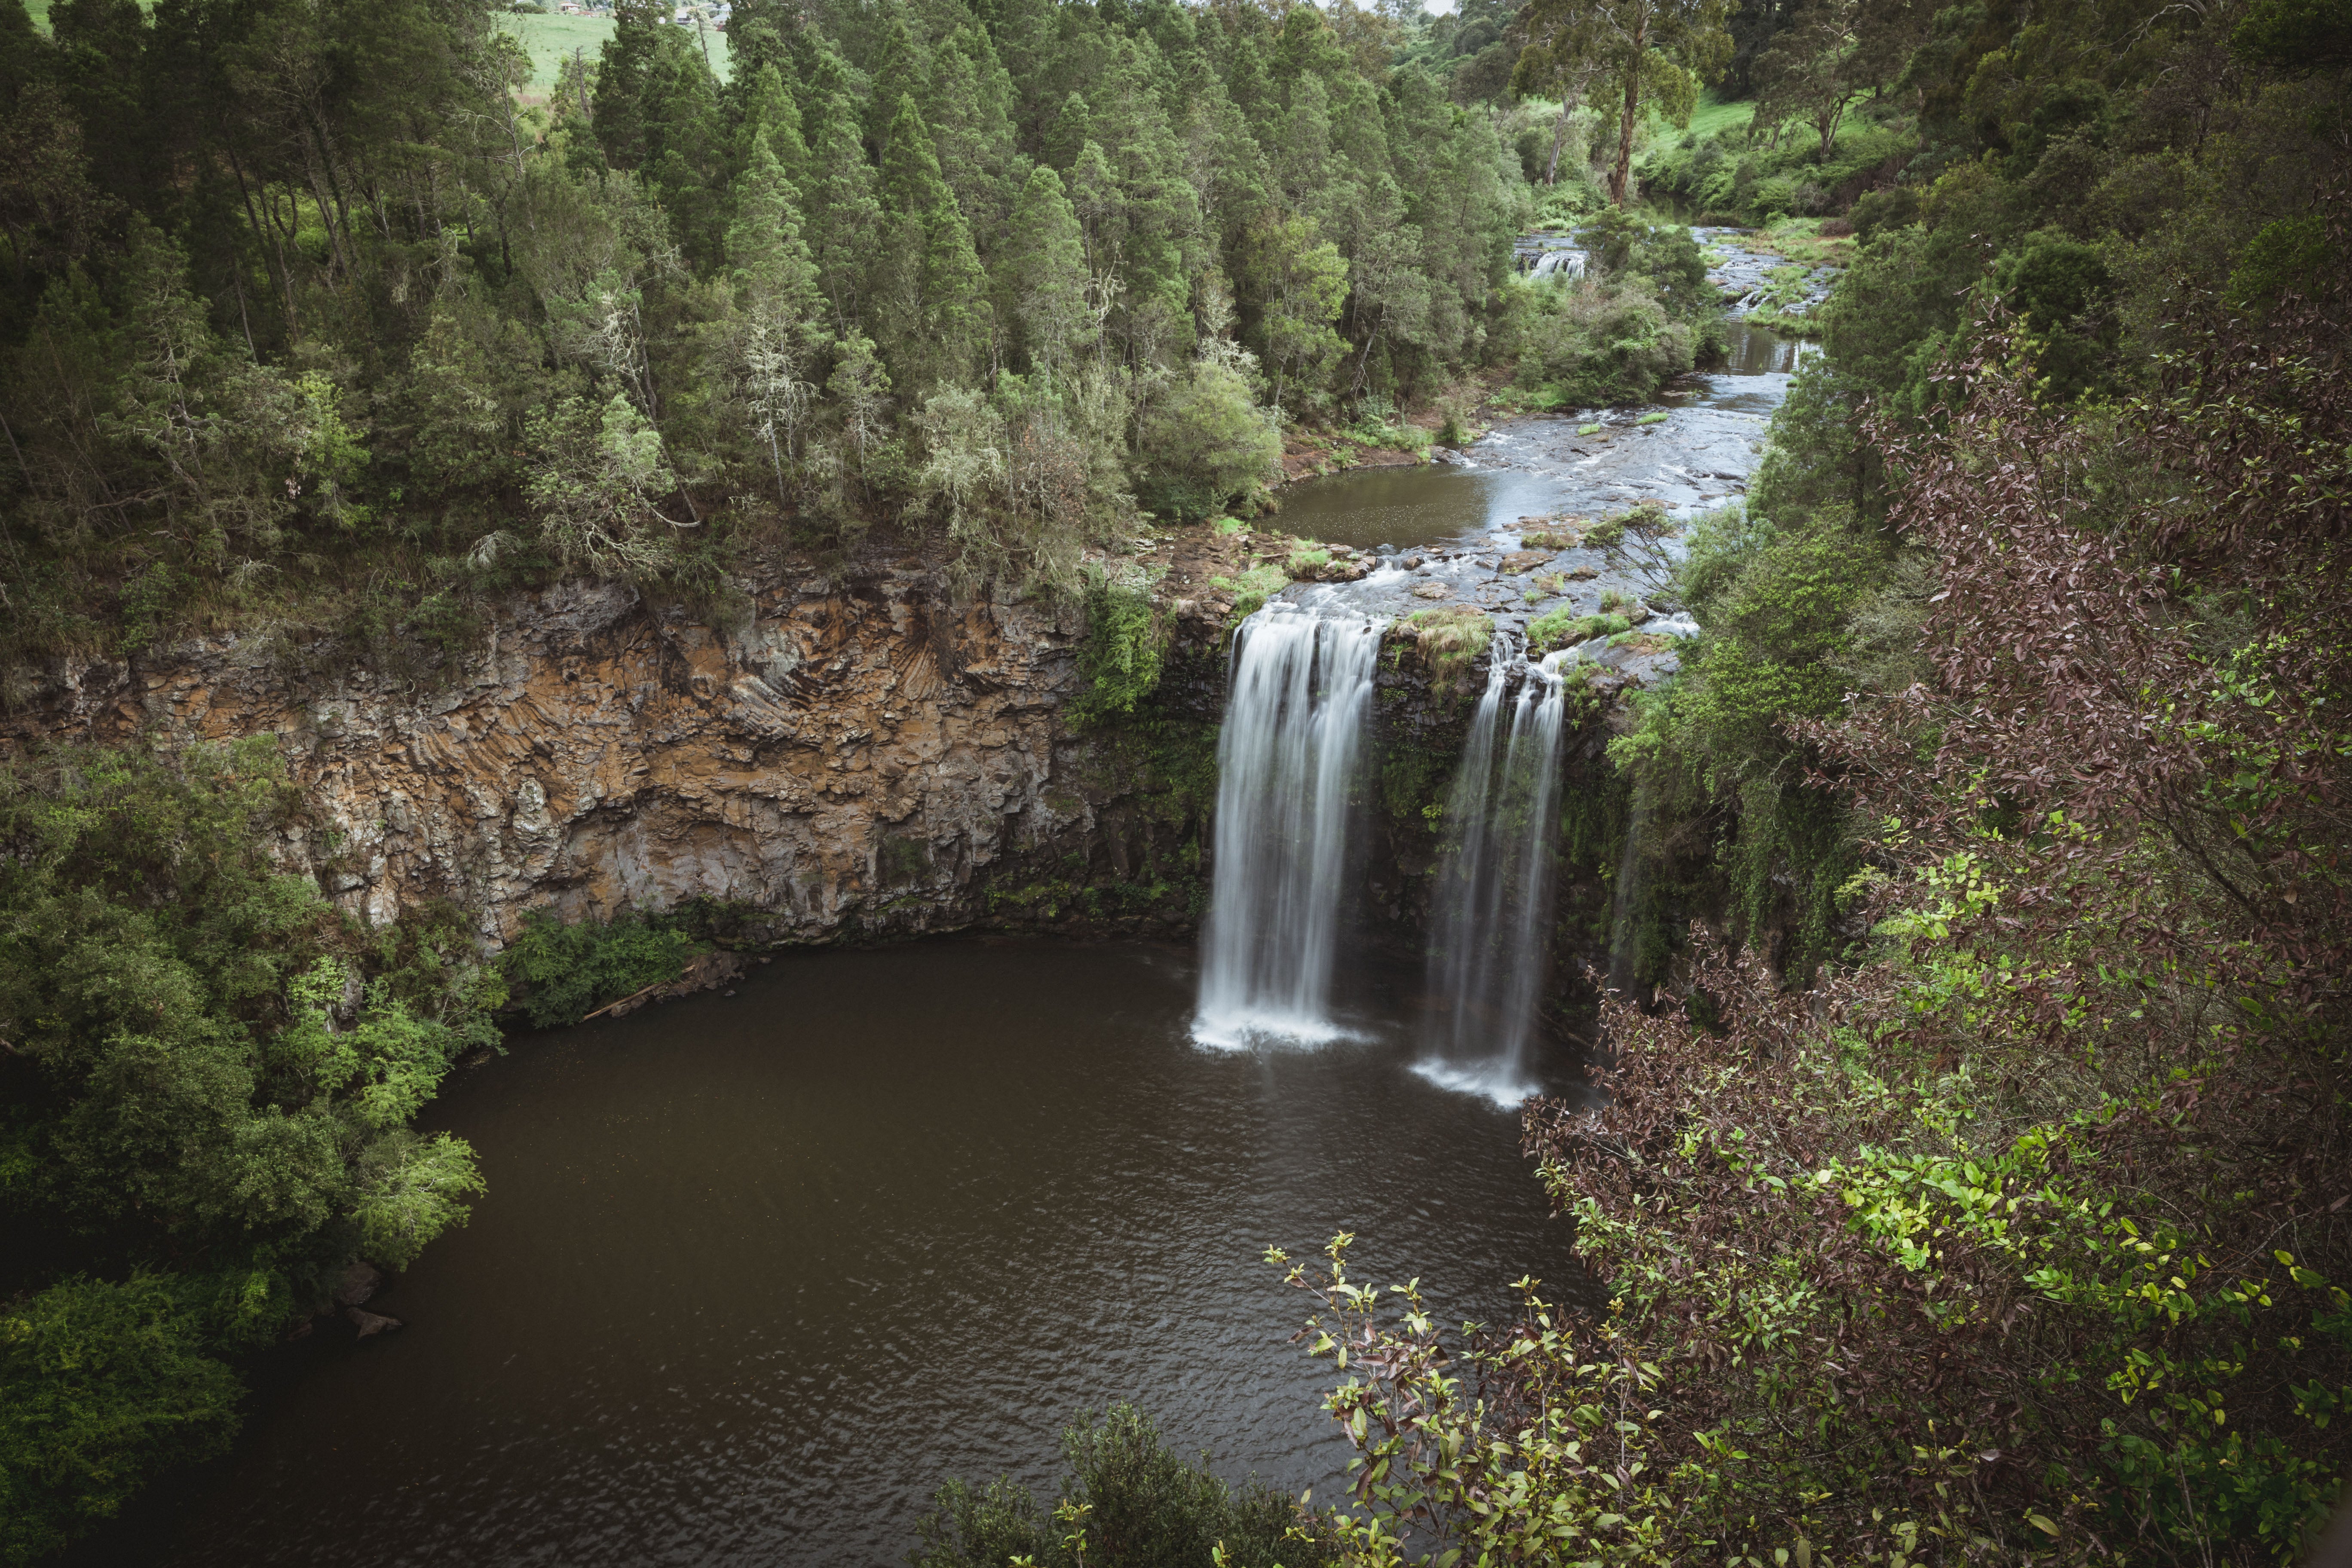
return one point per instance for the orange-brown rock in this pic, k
(847, 750)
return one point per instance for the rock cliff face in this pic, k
(853, 753)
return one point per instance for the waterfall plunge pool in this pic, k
(754, 1274)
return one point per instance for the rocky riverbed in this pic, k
(1523, 499)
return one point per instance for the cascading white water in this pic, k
(1301, 686)
(1494, 916)
(1469, 893)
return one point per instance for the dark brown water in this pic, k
(755, 1273)
(1406, 506)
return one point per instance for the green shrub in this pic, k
(1564, 628)
(1450, 639)
(2288, 254)
(1209, 444)
(107, 1386)
(205, 1089)
(570, 970)
(1129, 1501)
(1586, 341)
(1118, 662)
(1780, 610)
(1252, 589)
(1378, 425)
(1732, 178)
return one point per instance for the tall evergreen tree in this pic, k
(686, 144)
(930, 312)
(965, 106)
(898, 67)
(768, 116)
(100, 62)
(1041, 276)
(782, 336)
(760, 35)
(1068, 133)
(846, 218)
(765, 251)
(624, 72)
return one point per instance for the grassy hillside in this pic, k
(1713, 116)
(551, 37)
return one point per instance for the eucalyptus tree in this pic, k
(1830, 53)
(1639, 52)
(1552, 65)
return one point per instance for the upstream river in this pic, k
(1698, 455)
(756, 1273)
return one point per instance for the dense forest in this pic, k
(309, 318)
(1983, 1198)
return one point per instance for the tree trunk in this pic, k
(1622, 175)
(1559, 135)
(269, 237)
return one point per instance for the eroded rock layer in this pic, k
(849, 751)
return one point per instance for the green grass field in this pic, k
(552, 38)
(39, 10)
(548, 38)
(1710, 116)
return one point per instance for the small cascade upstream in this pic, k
(1493, 923)
(1301, 687)
(1560, 264)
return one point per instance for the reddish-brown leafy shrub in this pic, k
(2026, 1237)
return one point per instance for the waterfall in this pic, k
(1493, 929)
(1469, 894)
(1301, 686)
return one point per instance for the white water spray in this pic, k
(1494, 917)
(1294, 727)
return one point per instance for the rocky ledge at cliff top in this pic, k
(849, 750)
